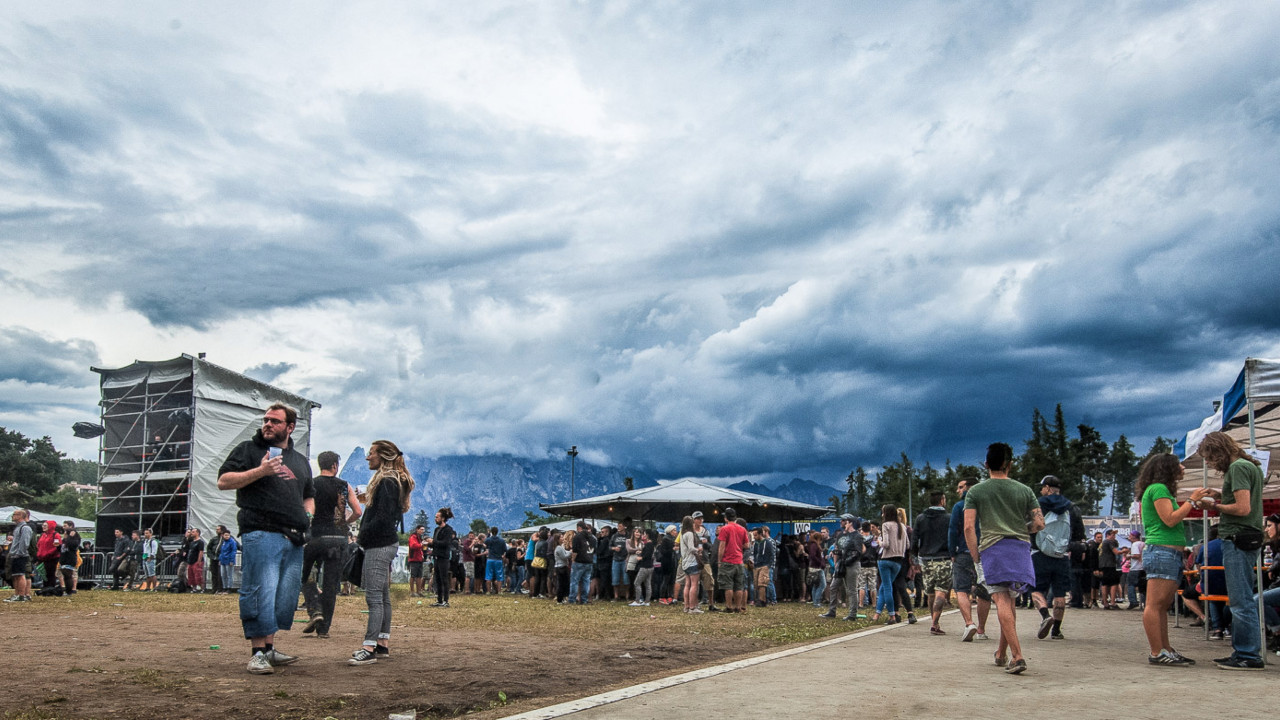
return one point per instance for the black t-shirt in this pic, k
(272, 503)
(584, 547)
(1107, 559)
(194, 549)
(331, 506)
(70, 548)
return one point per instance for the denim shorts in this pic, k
(1162, 562)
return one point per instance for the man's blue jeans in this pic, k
(270, 580)
(1239, 570)
(771, 594)
(580, 582)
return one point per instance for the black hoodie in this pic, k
(930, 534)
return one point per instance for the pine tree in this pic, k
(1122, 466)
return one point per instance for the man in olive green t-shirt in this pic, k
(1240, 505)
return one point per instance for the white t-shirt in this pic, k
(1135, 556)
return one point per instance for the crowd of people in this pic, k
(999, 545)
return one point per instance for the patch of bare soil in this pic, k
(137, 661)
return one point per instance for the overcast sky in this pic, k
(697, 239)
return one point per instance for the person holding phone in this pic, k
(276, 497)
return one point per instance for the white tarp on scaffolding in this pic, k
(228, 410)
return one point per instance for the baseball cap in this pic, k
(697, 514)
(1135, 534)
(1051, 481)
(672, 528)
(849, 517)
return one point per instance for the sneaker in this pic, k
(1017, 667)
(258, 664)
(713, 608)
(643, 604)
(830, 615)
(279, 659)
(1001, 660)
(362, 657)
(850, 618)
(695, 611)
(312, 624)
(969, 632)
(634, 603)
(1168, 659)
(1215, 635)
(439, 604)
(1182, 657)
(935, 630)
(981, 636)
(1196, 623)
(1057, 636)
(911, 619)
(322, 635)
(382, 652)
(13, 598)
(1045, 626)
(1240, 664)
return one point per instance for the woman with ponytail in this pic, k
(389, 493)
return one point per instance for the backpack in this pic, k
(1055, 538)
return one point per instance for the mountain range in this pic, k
(500, 488)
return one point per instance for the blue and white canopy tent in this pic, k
(1250, 413)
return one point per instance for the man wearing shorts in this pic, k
(964, 576)
(733, 573)
(930, 536)
(20, 557)
(1109, 554)
(496, 548)
(706, 577)
(150, 553)
(1053, 570)
(1009, 515)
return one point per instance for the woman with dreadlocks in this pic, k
(389, 494)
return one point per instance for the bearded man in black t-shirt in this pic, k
(275, 494)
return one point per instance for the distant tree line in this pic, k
(1086, 464)
(31, 471)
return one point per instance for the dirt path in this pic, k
(130, 661)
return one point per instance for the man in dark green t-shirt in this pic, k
(1240, 504)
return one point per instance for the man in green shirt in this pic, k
(1240, 504)
(1009, 514)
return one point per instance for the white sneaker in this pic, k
(981, 636)
(644, 604)
(258, 664)
(969, 631)
(635, 603)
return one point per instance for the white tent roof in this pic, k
(6, 518)
(672, 501)
(1250, 409)
(561, 526)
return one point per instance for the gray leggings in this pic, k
(376, 580)
(644, 581)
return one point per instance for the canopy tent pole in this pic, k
(1262, 612)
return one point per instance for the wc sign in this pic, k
(802, 528)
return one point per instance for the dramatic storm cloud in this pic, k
(697, 239)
